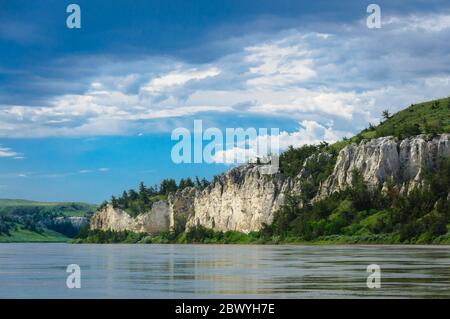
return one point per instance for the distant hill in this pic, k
(21, 206)
(26, 221)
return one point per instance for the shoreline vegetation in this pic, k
(237, 238)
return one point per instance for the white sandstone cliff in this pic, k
(386, 158)
(116, 219)
(243, 198)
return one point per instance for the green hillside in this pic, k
(25, 221)
(430, 117)
(21, 234)
(21, 206)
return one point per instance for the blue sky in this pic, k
(87, 113)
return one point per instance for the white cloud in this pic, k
(86, 171)
(7, 152)
(345, 77)
(178, 78)
(277, 64)
(300, 101)
(414, 23)
(309, 132)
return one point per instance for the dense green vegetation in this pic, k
(107, 237)
(138, 202)
(315, 171)
(420, 216)
(22, 220)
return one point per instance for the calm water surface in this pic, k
(222, 271)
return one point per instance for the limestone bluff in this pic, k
(243, 199)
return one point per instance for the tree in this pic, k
(198, 184)
(114, 202)
(168, 185)
(185, 183)
(386, 114)
(133, 195)
(143, 196)
(124, 200)
(152, 191)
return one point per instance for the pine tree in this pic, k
(143, 196)
(114, 202)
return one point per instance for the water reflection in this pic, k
(215, 271)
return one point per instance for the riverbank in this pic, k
(207, 236)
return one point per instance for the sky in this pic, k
(87, 113)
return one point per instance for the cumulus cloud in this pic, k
(309, 132)
(345, 75)
(279, 64)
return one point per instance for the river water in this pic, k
(223, 271)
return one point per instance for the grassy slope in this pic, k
(425, 115)
(431, 113)
(17, 206)
(25, 235)
(64, 208)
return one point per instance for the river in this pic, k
(223, 271)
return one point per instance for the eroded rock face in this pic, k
(76, 221)
(386, 158)
(152, 222)
(241, 199)
(181, 208)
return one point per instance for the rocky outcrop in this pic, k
(116, 219)
(244, 198)
(386, 158)
(181, 208)
(76, 221)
